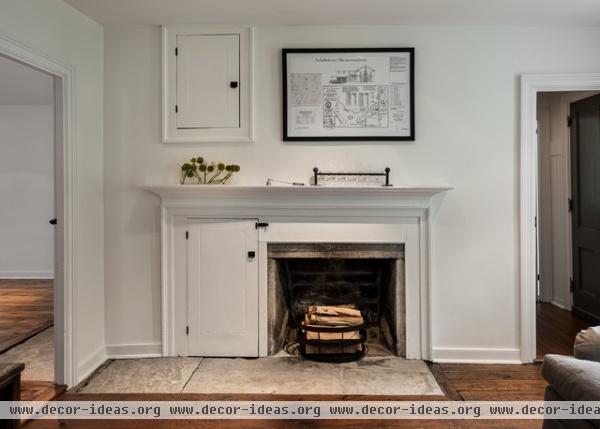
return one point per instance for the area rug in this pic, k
(37, 353)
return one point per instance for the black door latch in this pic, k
(53, 221)
(233, 84)
(251, 254)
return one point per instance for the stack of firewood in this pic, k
(332, 316)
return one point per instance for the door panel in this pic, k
(222, 288)
(585, 192)
(206, 67)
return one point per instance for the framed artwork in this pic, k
(348, 94)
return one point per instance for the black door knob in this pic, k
(233, 84)
(53, 221)
(251, 254)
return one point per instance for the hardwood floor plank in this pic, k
(40, 390)
(26, 308)
(556, 330)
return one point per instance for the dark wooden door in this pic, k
(585, 194)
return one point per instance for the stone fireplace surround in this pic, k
(396, 215)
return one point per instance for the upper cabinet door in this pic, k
(208, 81)
(207, 84)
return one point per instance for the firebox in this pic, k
(369, 277)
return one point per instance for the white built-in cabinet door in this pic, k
(208, 74)
(222, 288)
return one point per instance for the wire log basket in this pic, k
(338, 350)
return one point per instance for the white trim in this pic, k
(374, 209)
(133, 351)
(530, 86)
(245, 132)
(296, 199)
(559, 305)
(34, 275)
(91, 362)
(476, 355)
(66, 371)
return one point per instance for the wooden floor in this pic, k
(40, 390)
(26, 308)
(556, 330)
(460, 382)
(463, 382)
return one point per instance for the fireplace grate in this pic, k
(327, 350)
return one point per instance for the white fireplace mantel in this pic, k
(285, 196)
(301, 214)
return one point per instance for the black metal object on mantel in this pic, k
(318, 173)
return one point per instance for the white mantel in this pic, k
(324, 196)
(302, 214)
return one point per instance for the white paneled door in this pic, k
(208, 74)
(222, 288)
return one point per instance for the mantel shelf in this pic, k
(228, 191)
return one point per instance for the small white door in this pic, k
(208, 74)
(222, 288)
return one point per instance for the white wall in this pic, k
(58, 30)
(26, 190)
(467, 81)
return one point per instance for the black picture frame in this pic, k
(284, 58)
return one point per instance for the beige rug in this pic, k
(272, 375)
(37, 353)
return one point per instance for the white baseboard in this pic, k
(36, 275)
(89, 364)
(560, 304)
(132, 351)
(476, 355)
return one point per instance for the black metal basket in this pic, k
(343, 350)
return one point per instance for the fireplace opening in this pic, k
(369, 277)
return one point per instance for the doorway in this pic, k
(558, 317)
(65, 368)
(27, 236)
(531, 85)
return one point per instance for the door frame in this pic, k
(531, 84)
(65, 359)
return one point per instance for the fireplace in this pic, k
(368, 276)
(311, 214)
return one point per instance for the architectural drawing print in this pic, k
(362, 74)
(356, 106)
(348, 94)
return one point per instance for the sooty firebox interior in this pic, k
(368, 276)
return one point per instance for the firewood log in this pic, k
(316, 319)
(327, 310)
